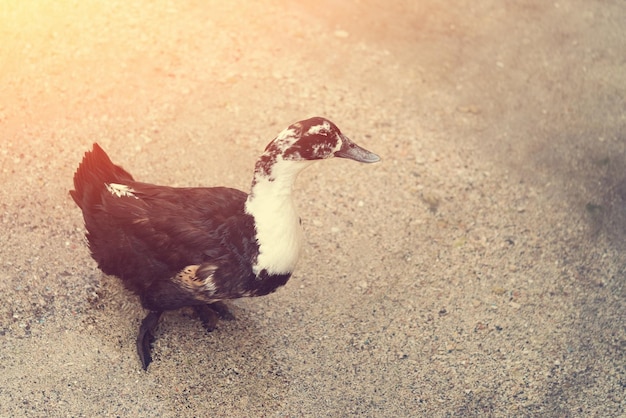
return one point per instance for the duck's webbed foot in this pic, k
(210, 313)
(146, 337)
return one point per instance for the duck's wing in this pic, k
(144, 233)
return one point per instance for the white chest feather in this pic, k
(278, 230)
(279, 236)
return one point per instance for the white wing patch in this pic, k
(120, 190)
(200, 289)
(208, 285)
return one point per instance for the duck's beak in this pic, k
(354, 152)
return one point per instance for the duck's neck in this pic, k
(278, 231)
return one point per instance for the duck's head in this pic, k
(277, 225)
(317, 139)
(310, 140)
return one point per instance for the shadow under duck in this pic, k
(177, 247)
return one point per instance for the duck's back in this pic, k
(145, 234)
(158, 231)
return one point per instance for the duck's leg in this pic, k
(222, 310)
(211, 312)
(146, 337)
(207, 316)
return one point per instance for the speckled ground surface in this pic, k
(479, 269)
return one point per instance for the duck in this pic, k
(198, 247)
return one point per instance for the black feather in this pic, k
(146, 238)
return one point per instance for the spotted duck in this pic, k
(197, 247)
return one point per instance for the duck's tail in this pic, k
(93, 174)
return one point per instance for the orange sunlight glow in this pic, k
(59, 58)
